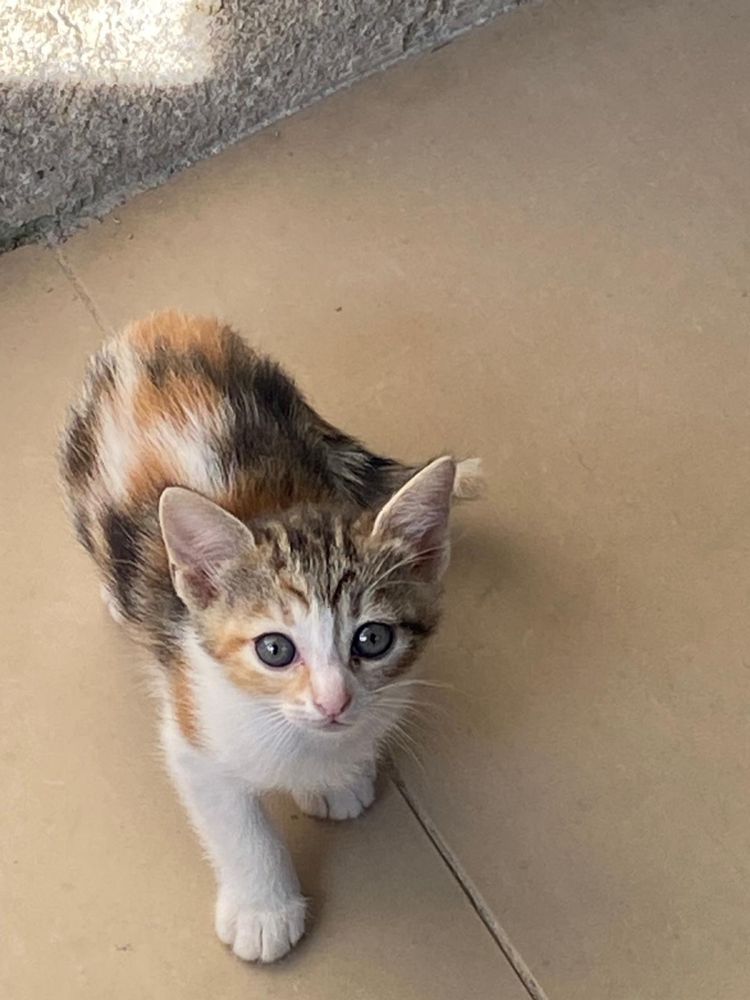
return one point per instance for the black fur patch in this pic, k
(80, 523)
(79, 448)
(160, 364)
(121, 534)
(418, 628)
(367, 479)
(338, 590)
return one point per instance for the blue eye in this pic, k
(372, 640)
(275, 650)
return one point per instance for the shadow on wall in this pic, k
(98, 101)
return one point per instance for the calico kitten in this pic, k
(282, 576)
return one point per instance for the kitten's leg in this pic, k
(259, 910)
(341, 803)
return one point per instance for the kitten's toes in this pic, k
(342, 803)
(259, 933)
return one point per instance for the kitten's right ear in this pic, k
(200, 538)
(418, 515)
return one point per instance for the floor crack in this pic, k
(81, 290)
(482, 910)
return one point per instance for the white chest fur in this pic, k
(250, 738)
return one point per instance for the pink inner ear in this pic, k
(418, 513)
(202, 588)
(198, 534)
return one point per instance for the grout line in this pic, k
(482, 910)
(81, 290)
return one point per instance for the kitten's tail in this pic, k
(469, 481)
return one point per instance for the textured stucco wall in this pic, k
(100, 99)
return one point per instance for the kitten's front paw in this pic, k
(343, 803)
(259, 933)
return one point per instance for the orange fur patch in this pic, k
(228, 644)
(179, 332)
(229, 648)
(152, 474)
(249, 498)
(280, 684)
(183, 701)
(253, 495)
(179, 400)
(299, 683)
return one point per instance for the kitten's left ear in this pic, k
(418, 515)
(200, 538)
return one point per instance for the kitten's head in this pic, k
(316, 610)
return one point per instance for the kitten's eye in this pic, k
(372, 640)
(275, 650)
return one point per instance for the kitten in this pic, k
(283, 577)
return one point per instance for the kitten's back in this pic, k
(179, 400)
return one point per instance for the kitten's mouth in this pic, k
(321, 725)
(333, 726)
(326, 726)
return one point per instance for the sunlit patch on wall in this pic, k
(106, 42)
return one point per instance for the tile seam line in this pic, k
(470, 891)
(80, 289)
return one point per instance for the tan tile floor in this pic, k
(532, 245)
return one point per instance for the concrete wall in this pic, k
(100, 100)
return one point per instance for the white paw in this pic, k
(343, 803)
(259, 933)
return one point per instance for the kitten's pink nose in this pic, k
(333, 705)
